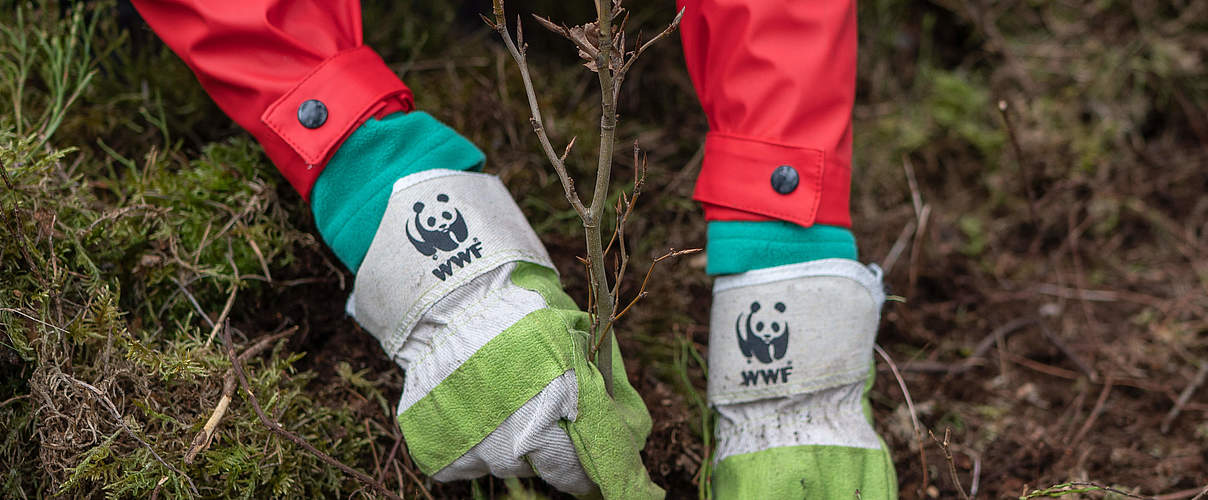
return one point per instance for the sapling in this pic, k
(603, 46)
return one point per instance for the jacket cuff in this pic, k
(750, 179)
(318, 113)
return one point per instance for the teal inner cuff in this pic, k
(741, 246)
(350, 196)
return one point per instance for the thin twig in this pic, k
(518, 54)
(203, 438)
(281, 431)
(642, 291)
(415, 478)
(639, 180)
(193, 300)
(633, 56)
(956, 480)
(108, 404)
(1080, 485)
(1069, 353)
(1027, 173)
(226, 309)
(1073, 375)
(1090, 419)
(398, 442)
(899, 246)
(1193, 493)
(978, 353)
(1184, 397)
(914, 418)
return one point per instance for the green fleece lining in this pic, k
(350, 196)
(740, 246)
(813, 472)
(608, 434)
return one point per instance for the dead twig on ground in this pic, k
(1027, 177)
(1193, 493)
(1069, 353)
(1073, 375)
(956, 480)
(914, 418)
(237, 366)
(1185, 396)
(226, 309)
(203, 438)
(1098, 409)
(1075, 487)
(922, 214)
(978, 354)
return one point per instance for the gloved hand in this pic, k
(790, 361)
(462, 295)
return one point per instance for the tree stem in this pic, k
(595, 247)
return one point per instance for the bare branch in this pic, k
(956, 480)
(642, 291)
(679, 16)
(623, 212)
(624, 70)
(568, 186)
(1185, 396)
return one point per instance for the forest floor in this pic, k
(1030, 175)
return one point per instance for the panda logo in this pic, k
(437, 227)
(765, 339)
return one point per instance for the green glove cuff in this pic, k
(350, 196)
(822, 472)
(740, 246)
(815, 472)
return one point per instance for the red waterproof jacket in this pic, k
(776, 79)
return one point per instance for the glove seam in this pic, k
(765, 419)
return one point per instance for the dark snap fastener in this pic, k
(312, 113)
(784, 179)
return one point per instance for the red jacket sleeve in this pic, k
(294, 73)
(777, 81)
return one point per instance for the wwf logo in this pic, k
(438, 228)
(441, 228)
(767, 337)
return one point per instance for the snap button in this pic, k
(784, 179)
(312, 113)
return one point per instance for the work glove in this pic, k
(790, 362)
(461, 294)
